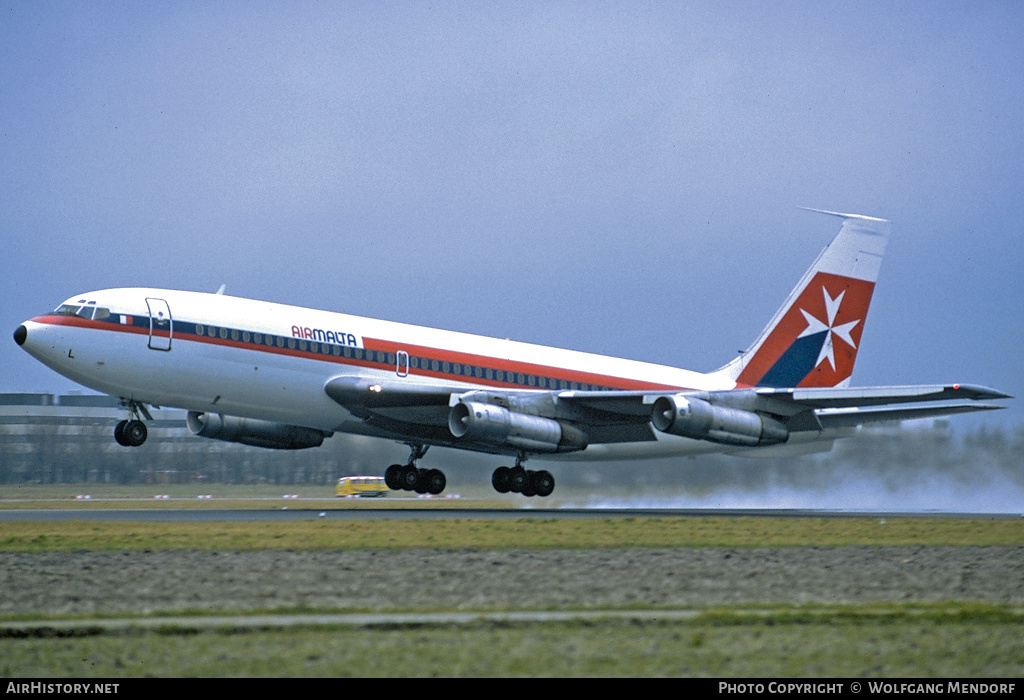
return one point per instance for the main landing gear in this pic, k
(409, 477)
(132, 432)
(518, 479)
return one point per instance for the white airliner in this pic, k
(287, 377)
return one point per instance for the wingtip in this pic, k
(978, 392)
(841, 215)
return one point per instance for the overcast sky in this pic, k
(621, 178)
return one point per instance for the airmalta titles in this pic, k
(322, 336)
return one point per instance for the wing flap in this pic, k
(848, 417)
(882, 395)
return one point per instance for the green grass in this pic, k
(852, 641)
(942, 640)
(523, 533)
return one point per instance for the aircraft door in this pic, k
(402, 367)
(161, 326)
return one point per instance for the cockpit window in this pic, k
(98, 313)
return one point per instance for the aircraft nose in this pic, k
(20, 334)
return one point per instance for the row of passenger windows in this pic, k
(391, 359)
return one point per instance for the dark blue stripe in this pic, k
(796, 363)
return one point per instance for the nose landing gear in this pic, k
(132, 432)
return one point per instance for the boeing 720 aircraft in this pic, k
(287, 377)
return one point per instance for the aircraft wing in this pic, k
(845, 407)
(420, 411)
(399, 401)
(812, 408)
(423, 411)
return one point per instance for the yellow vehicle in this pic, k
(361, 486)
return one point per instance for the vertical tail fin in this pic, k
(812, 341)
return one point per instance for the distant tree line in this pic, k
(83, 451)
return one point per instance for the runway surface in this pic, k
(314, 512)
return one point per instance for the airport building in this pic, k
(48, 438)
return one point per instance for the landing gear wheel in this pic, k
(500, 479)
(134, 433)
(529, 489)
(433, 481)
(421, 485)
(409, 477)
(516, 479)
(543, 483)
(393, 477)
(119, 434)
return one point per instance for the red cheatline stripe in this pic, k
(375, 344)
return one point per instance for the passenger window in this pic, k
(234, 334)
(222, 332)
(199, 329)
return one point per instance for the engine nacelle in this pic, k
(249, 431)
(499, 426)
(696, 418)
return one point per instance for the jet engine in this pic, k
(485, 422)
(696, 418)
(249, 431)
